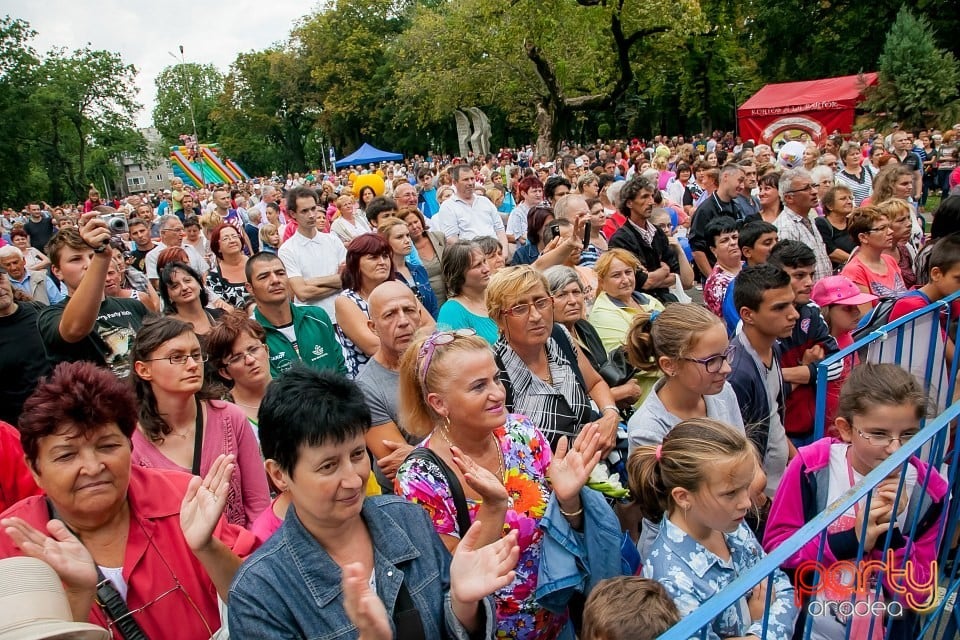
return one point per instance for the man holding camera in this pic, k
(88, 325)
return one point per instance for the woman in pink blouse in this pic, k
(180, 427)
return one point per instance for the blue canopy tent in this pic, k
(367, 154)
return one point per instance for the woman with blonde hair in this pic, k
(548, 377)
(898, 213)
(450, 393)
(347, 225)
(618, 302)
(397, 235)
(896, 181)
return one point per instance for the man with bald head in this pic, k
(394, 317)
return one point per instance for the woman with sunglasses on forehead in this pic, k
(152, 541)
(182, 427)
(450, 393)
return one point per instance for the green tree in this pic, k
(917, 81)
(526, 57)
(82, 101)
(263, 115)
(20, 175)
(185, 92)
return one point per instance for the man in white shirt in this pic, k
(171, 235)
(465, 215)
(312, 259)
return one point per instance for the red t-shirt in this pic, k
(16, 482)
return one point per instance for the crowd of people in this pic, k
(471, 397)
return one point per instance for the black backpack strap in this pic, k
(566, 348)
(505, 381)
(456, 489)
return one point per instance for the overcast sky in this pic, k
(211, 31)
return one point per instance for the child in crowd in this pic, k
(628, 608)
(756, 240)
(808, 344)
(697, 483)
(765, 300)
(690, 346)
(839, 301)
(916, 353)
(722, 236)
(880, 404)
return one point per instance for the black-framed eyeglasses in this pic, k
(809, 187)
(181, 358)
(249, 352)
(714, 363)
(521, 310)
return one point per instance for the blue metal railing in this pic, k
(895, 342)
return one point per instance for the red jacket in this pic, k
(16, 482)
(156, 558)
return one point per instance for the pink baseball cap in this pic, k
(839, 290)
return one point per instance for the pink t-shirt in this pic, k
(266, 523)
(889, 284)
(715, 288)
(227, 431)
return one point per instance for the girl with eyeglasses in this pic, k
(689, 345)
(451, 394)
(181, 426)
(880, 409)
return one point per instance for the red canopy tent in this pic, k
(818, 107)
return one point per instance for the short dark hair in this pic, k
(753, 282)
(377, 206)
(257, 258)
(133, 222)
(793, 254)
(751, 232)
(536, 221)
(77, 394)
(458, 169)
(329, 408)
(945, 253)
(631, 190)
(550, 186)
(719, 226)
(300, 192)
(193, 221)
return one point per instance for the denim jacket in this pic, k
(572, 561)
(291, 588)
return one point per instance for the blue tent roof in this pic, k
(367, 154)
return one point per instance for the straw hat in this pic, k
(33, 605)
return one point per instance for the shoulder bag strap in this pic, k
(456, 489)
(197, 439)
(566, 348)
(107, 597)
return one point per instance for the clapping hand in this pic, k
(363, 606)
(204, 502)
(570, 469)
(489, 487)
(63, 551)
(476, 573)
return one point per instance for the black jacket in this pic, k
(650, 255)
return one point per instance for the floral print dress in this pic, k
(526, 456)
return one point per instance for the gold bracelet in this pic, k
(570, 515)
